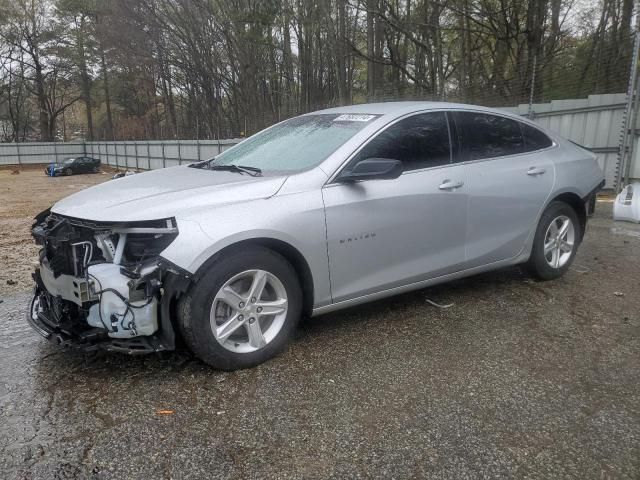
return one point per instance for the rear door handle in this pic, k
(450, 185)
(533, 171)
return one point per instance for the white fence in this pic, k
(156, 154)
(39, 152)
(140, 154)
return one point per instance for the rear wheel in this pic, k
(243, 310)
(556, 241)
(95, 169)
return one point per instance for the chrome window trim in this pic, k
(554, 144)
(468, 162)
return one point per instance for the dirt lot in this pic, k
(22, 196)
(518, 379)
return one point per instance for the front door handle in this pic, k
(450, 185)
(533, 171)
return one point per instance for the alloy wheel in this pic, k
(249, 311)
(559, 241)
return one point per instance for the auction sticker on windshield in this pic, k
(354, 117)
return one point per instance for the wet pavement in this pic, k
(516, 379)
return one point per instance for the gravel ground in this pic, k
(516, 379)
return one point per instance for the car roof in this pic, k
(396, 109)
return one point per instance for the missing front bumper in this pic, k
(89, 340)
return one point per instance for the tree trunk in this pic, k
(379, 45)
(287, 58)
(552, 42)
(45, 135)
(107, 97)
(165, 87)
(371, 67)
(625, 21)
(463, 74)
(341, 55)
(86, 81)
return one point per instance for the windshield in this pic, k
(296, 144)
(67, 161)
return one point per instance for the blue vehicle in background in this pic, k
(72, 165)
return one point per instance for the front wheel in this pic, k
(243, 310)
(67, 171)
(556, 241)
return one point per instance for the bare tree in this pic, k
(220, 68)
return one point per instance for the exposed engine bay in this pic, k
(104, 285)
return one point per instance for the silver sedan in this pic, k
(317, 213)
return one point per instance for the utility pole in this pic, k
(628, 134)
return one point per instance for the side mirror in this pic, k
(372, 169)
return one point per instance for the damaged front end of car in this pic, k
(104, 285)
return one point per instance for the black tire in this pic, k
(195, 307)
(537, 264)
(95, 169)
(68, 171)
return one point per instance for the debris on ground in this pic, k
(11, 282)
(618, 294)
(126, 173)
(431, 302)
(165, 412)
(627, 204)
(15, 172)
(625, 231)
(579, 268)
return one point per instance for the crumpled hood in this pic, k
(164, 193)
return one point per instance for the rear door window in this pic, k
(484, 135)
(419, 141)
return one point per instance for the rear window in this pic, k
(534, 139)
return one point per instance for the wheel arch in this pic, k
(574, 201)
(288, 251)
